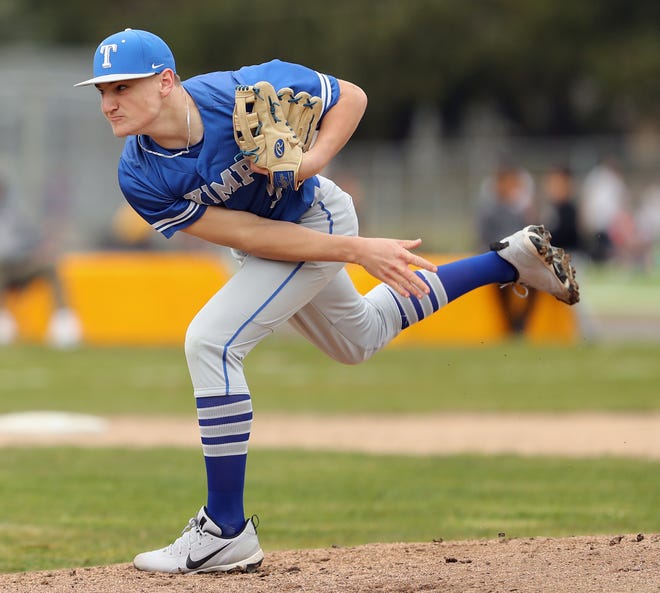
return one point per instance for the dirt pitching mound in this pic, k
(596, 564)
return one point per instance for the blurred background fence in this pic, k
(59, 157)
(426, 179)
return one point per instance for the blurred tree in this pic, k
(546, 67)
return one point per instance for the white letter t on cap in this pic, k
(105, 50)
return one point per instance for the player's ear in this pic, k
(167, 80)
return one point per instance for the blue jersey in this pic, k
(171, 194)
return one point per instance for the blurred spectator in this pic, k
(559, 211)
(559, 214)
(24, 257)
(603, 208)
(647, 221)
(129, 231)
(505, 205)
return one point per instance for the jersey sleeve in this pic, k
(295, 76)
(164, 213)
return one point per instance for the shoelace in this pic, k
(520, 290)
(190, 534)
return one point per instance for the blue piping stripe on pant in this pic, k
(331, 223)
(250, 319)
(265, 304)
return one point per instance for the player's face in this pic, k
(131, 106)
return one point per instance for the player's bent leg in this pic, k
(345, 325)
(539, 264)
(202, 547)
(350, 328)
(260, 297)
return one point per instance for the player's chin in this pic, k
(120, 128)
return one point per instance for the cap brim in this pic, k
(114, 78)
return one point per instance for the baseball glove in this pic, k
(302, 111)
(264, 136)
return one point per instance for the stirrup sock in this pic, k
(452, 281)
(225, 423)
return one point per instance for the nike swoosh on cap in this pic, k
(154, 66)
(195, 564)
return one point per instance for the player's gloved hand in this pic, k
(389, 260)
(273, 130)
(306, 169)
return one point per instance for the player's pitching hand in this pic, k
(389, 260)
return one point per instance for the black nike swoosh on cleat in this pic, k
(195, 564)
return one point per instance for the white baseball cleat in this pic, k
(539, 264)
(201, 548)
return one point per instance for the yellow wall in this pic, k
(149, 298)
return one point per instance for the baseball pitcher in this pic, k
(234, 157)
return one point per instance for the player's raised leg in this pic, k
(351, 328)
(526, 257)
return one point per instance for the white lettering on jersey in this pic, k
(231, 179)
(201, 195)
(105, 52)
(242, 169)
(228, 185)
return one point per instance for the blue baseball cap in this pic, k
(130, 54)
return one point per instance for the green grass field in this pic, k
(63, 507)
(71, 507)
(289, 375)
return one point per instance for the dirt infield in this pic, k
(593, 564)
(619, 564)
(585, 434)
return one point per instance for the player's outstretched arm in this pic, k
(389, 260)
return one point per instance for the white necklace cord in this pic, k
(186, 150)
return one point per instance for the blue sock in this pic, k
(226, 481)
(225, 423)
(464, 275)
(450, 282)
